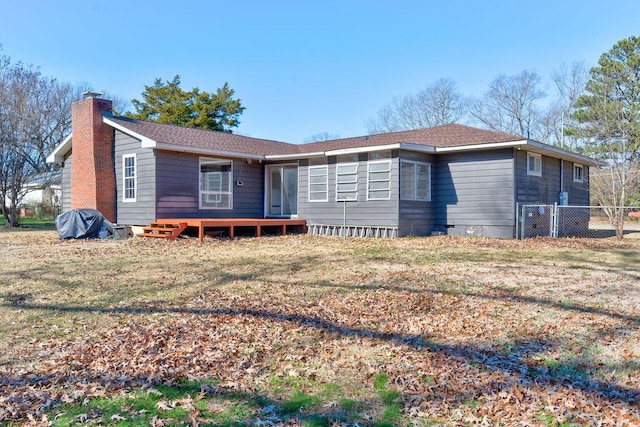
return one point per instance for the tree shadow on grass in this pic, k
(514, 363)
(198, 402)
(500, 294)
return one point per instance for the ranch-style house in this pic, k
(450, 179)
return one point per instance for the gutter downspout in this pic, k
(515, 189)
(561, 175)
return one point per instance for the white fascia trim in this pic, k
(362, 149)
(153, 144)
(562, 153)
(203, 151)
(294, 156)
(526, 144)
(57, 155)
(355, 150)
(482, 146)
(416, 147)
(146, 142)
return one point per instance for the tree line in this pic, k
(515, 104)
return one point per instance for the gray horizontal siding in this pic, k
(578, 192)
(416, 217)
(66, 183)
(473, 193)
(142, 211)
(178, 188)
(381, 213)
(531, 189)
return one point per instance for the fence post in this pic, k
(554, 219)
(517, 220)
(523, 219)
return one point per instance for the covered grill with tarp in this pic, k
(83, 224)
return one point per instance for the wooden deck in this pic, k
(202, 224)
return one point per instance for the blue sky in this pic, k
(305, 67)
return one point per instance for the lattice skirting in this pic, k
(352, 230)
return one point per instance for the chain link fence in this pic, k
(576, 221)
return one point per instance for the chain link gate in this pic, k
(576, 221)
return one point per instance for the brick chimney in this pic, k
(93, 181)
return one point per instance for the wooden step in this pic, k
(159, 230)
(163, 225)
(163, 230)
(163, 236)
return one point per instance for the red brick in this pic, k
(93, 183)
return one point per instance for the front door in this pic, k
(282, 194)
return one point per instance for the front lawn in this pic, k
(304, 330)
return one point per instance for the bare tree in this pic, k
(34, 117)
(119, 105)
(438, 104)
(569, 84)
(322, 136)
(511, 104)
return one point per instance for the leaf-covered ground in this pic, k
(303, 329)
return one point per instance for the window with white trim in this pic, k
(379, 176)
(129, 178)
(216, 183)
(534, 164)
(318, 183)
(578, 173)
(346, 181)
(380, 155)
(415, 181)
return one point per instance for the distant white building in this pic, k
(43, 191)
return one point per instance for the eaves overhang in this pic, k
(354, 150)
(201, 151)
(57, 155)
(561, 153)
(146, 142)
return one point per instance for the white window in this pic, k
(415, 181)
(213, 187)
(578, 172)
(318, 183)
(129, 178)
(379, 177)
(216, 183)
(534, 164)
(346, 181)
(380, 155)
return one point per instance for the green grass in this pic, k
(549, 420)
(174, 405)
(392, 407)
(179, 404)
(299, 402)
(34, 223)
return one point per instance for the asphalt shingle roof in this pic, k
(199, 138)
(452, 135)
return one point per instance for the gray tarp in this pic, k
(83, 224)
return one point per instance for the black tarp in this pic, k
(83, 224)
